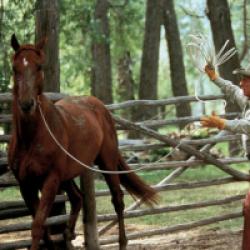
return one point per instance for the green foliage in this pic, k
(74, 46)
(15, 17)
(126, 25)
(177, 197)
(78, 29)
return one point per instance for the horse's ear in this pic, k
(14, 43)
(40, 45)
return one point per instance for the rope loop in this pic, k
(72, 156)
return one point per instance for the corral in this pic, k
(196, 153)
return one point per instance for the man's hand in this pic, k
(210, 71)
(213, 121)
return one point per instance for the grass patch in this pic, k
(10, 194)
(185, 196)
(177, 197)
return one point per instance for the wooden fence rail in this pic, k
(128, 214)
(195, 158)
(13, 209)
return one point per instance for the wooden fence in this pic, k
(197, 154)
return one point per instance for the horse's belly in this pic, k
(84, 158)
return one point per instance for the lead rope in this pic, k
(77, 160)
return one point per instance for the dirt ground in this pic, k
(190, 240)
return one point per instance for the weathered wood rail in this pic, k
(194, 158)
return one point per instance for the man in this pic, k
(241, 95)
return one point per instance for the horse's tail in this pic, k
(135, 185)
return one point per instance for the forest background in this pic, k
(125, 50)
(122, 50)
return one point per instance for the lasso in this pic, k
(202, 53)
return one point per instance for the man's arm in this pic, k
(232, 91)
(241, 126)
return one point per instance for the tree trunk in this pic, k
(126, 88)
(177, 70)
(218, 13)
(150, 58)
(126, 83)
(101, 84)
(125, 79)
(47, 25)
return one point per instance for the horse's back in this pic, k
(89, 126)
(82, 116)
(88, 106)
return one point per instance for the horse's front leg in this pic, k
(48, 193)
(29, 193)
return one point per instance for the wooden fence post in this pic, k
(89, 211)
(246, 230)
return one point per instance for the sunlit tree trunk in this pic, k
(177, 69)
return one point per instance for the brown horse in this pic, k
(82, 125)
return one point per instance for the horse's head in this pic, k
(28, 74)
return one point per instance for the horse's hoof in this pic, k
(70, 246)
(123, 247)
(69, 235)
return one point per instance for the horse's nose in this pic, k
(27, 105)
